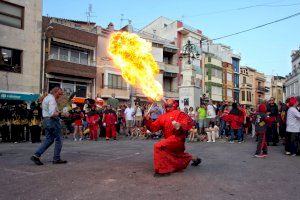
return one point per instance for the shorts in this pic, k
(138, 118)
(129, 123)
(202, 123)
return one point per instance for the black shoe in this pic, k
(196, 162)
(36, 160)
(157, 175)
(59, 161)
(115, 138)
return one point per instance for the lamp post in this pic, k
(190, 52)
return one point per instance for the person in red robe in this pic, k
(93, 121)
(110, 121)
(169, 153)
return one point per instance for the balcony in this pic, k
(261, 89)
(171, 94)
(68, 58)
(120, 92)
(69, 68)
(168, 67)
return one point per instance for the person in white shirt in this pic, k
(52, 127)
(212, 132)
(293, 127)
(129, 113)
(211, 112)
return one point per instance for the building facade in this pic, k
(247, 86)
(109, 80)
(259, 88)
(179, 34)
(292, 83)
(69, 59)
(213, 77)
(20, 45)
(227, 82)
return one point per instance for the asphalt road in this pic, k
(123, 170)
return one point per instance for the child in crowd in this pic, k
(261, 129)
(212, 132)
(193, 134)
(77, 123)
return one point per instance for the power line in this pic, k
(256, 27)
(242, 8)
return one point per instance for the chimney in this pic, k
(111, 27)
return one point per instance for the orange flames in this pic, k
(132, 55)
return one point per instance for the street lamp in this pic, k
(190, 52)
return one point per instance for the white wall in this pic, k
(28, 40)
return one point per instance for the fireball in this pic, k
(132, 55)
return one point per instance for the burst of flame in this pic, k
(132, 55)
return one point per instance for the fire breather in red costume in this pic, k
(169, 153)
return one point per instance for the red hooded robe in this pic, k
(169, 155)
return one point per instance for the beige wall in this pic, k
(29, 41)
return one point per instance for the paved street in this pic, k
(123, 170)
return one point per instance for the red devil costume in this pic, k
(169, 155)
(110, 121)
(93, 121)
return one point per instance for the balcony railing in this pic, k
(115, 87)
(70, 59)
(261, 89)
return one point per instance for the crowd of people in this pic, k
(269, 123)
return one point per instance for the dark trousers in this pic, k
(4, 130)
(288, 141)
(25, 132)
(35, 132)
(16, 133)
(261, 143)
(272, 134)
(295, 139)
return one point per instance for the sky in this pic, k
(267, 49)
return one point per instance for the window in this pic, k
(168, 84)
(216, 90)
(229, 77)
(81, 90)
(83, 58)
(11, 14)
(235, 63)
(216, 73)
(244, 80)
(229, 93)
(243, 95)
(63, 54)
(209, 59)
(249, 96)
(10, 60)
(116, 82)
(74, 56)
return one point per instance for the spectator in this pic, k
(261, 129)
(202, 118)
(110, 121)
(212, 132)
(272, 134)
(235, 119)
(129, 112)
(211, 112)
(77, 117)
(293, 126)
(138, 115)
(192, 114)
